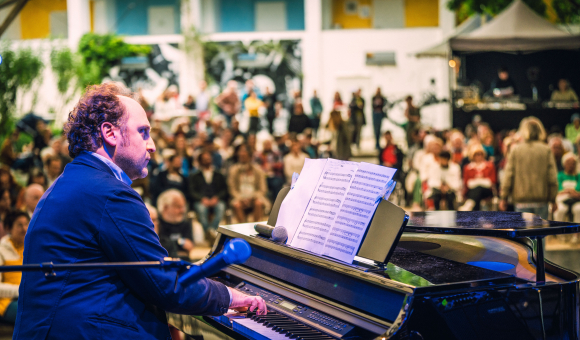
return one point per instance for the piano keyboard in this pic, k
(275, 326)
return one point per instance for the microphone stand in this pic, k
(49, 268)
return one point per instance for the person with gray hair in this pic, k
(32, 195)
(530, 176)
(174, 227)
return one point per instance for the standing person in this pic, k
(298, 121)
(253, 105)
(91, 214)
(379, 103)
(530, 176)
(316, 107)
(413, 116)
(209, 192)
(202, 105)
(337, 101)
(357, 116)
(269, 100)
(229, 102)
(11, 252)
(340, 141)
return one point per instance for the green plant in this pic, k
(99, 53)
(64, 65)
(19, 70)
(465, 8)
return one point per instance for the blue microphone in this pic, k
(235, 251)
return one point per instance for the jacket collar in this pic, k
(85, 158)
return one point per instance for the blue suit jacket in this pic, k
(86, 216)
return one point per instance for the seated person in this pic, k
(170, 178)
(11, 253)
(479, 179)
(564, 93)
(209, 192)
(32, 195)
(247, 186)
(174, 227)
(568, 198)
(503, 86)
(294, 161)
(443, 181)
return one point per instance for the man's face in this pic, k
(557, 148)
(243, 156)
(32, 197)
(562, 85)
(176, 163)
(54, 168)
(132, 153)
(503, 75)
(174, 212)
(444, 162)
(205, 160)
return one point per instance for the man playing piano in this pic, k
(91, 214)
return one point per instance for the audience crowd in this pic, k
(208, 168)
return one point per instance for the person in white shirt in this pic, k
(443, 181)
(294, 161)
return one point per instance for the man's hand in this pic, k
(213, 201)
(187, 245)
(205, 202)
(242, 302)
(503, 205)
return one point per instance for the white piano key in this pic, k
(256, 331)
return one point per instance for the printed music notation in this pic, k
(343, 198)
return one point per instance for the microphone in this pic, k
(235, 251)
(277, 234)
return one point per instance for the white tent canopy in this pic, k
(442, 48)
(517, 29)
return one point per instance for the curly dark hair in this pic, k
(100, 104)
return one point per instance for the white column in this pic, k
(311, 51)
(79, 21)
(192, 67)
(446, 18)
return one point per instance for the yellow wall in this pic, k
(351, 20)
(421, 13)
(34, 18)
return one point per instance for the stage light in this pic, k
(452, 63)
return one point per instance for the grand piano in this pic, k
(449, 275)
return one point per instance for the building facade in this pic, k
(345, 44)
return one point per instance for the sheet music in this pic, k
(295, 203)
(322, 210)
(369, 185)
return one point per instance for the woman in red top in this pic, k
(479, 179)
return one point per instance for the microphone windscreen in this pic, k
(279, 234)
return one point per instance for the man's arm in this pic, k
(126, 235)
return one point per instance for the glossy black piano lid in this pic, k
(487, 223)
(342, 288)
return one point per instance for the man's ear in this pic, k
(111, 134)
